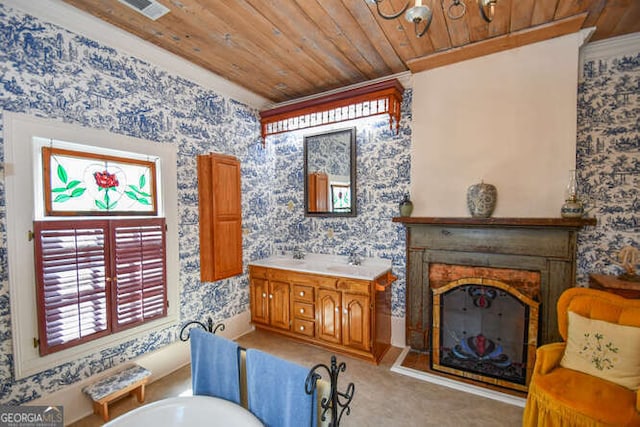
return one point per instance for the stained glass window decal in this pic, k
(341, 197)
(79, 183)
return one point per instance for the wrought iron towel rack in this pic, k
(337, 404)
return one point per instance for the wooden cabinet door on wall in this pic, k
(318, 192)
(220, 212)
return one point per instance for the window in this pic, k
(24, 137)
(95, 277)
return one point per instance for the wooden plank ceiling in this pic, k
(287, 49)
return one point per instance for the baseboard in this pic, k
(446, 382)
(161, 363)
(398, 334)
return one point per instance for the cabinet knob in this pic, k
(302, 328)
(302, 310)
(301, 293)
(337, 309)
(264, 295)
(344, 311)
(270, 296)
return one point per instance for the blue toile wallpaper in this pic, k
(49, 72)
(336, 164)
(608, 160)
(383, 164)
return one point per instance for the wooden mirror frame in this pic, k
(309, 186)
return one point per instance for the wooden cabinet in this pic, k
(356, 317)
(345, 315)
(220, 210)
(318, 192)
(269, 300)
(329, 316)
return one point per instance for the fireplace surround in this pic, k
(527, 261)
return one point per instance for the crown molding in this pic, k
(405, 78)
(80, 22)
(608, 48)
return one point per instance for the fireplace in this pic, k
(481, 292)
(485, 323)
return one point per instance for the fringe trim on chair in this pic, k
(541, 410)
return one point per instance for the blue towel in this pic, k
(276, 391)
(214, 366)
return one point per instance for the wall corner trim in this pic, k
(617, 46)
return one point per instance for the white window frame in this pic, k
(22, 170)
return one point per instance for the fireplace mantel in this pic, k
(545, 245)
(498, 222)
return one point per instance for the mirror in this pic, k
(330, 173)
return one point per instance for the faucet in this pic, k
(298, 254)
(354, 258)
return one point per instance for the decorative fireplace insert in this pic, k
(485, 330)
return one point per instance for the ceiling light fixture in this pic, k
(487, 9)
(422, 15)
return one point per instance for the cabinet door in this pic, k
(219, 204)
(259, 301)
(329, 317)
(356, 317)
(279, 308)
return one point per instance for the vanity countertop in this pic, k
(332, 265)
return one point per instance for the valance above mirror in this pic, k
(330, 173)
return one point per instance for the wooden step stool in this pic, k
(130, 380)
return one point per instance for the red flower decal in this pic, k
(106, 180)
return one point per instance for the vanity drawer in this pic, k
(303, 327)
(303, 293)
(258, 272)
(360, 286)
(303, 310)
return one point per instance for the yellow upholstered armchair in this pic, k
(592, 378)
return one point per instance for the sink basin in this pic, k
(331, 265)
(289, 262)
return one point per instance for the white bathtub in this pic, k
(188, 411)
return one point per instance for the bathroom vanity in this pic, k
(325, 301)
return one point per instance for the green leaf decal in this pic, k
(131, 195)
(134, 188)
(73, 184)
(101, 205)
(78, 192)
(58, 190)
(142, 193)
(144, 201)
(62, 174)
(61, 198)
(143, 181)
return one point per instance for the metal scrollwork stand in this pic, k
(208, 327)
(338, 402)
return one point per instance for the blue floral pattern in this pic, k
(608, 160)
(116, 382)
(50, 72)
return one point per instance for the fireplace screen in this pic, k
(484, 330)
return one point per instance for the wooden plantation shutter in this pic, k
(71, 272)
(140, 286)
(95, 277)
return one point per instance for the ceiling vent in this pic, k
(149, 8)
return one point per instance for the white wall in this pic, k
(508, 118)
